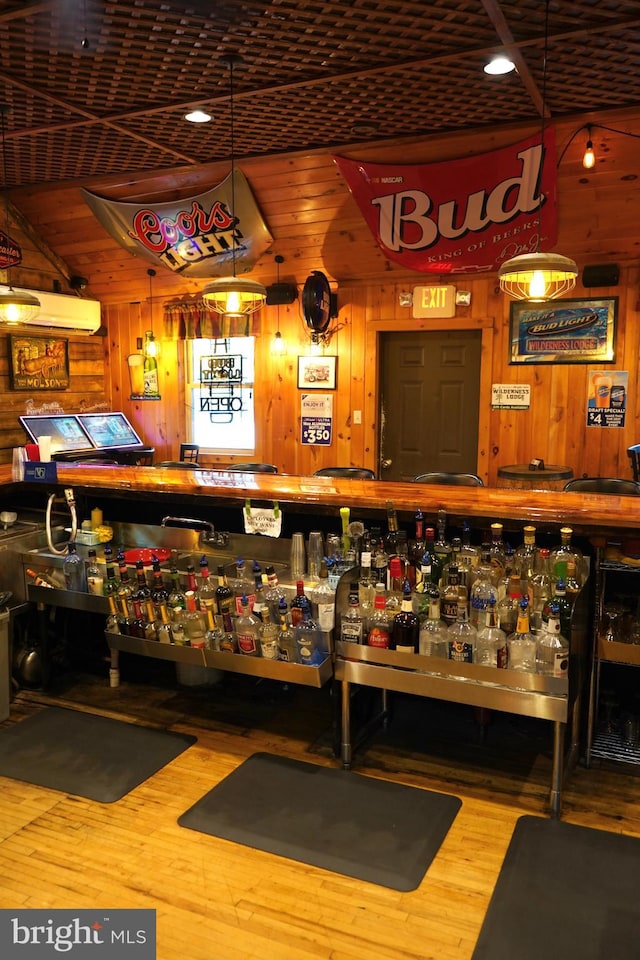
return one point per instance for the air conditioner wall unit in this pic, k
(63, 312)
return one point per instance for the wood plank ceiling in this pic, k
(97, 89)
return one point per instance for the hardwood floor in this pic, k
(218, 899)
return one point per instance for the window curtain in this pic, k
(193, 320)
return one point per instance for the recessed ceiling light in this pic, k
(498, 66)
(197, 116)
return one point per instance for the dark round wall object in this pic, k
(316, 302)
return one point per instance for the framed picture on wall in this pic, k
(317, 373)
(564, 331)
(38, 363)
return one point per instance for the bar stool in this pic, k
(179, 464)
(354, 473)
(633, 453)
(189, 451)
(613, 485)
(454, 479)
(251, 468)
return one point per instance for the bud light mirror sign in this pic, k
(565, 331)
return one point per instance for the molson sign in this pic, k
(195, 236)
(460, 216)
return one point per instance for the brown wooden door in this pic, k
(430, 388)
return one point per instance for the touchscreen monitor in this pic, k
(64, 429)
(109, 430)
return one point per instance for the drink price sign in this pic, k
(316, 417)
(607, 398)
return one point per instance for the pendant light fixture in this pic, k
(16, 306)
(539, 276)
(278, 345)
(234, 297)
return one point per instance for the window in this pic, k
(219, 393)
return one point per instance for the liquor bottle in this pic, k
(525, 557)
(491, 642)
(298, 603)
(176, 602)
(178, 633)
(416, 549)
(509, 606)
(366, 589)
(521, 644)
(441, 546)
(141, 590)
(391, 539)
(259, 589)
(112, 625)
(95, 579)
(273, 593)
(435, 559)
(571, 584)
(150, 367)
(434, 633)
(125, 617)
(483, 591)
(39, 579)
(462, 637)
(287, 646)
(164, 627)
(308, 638)
(138, 626)
(378, 628)
(215, 631)
(268, 637)
(247, 630)
(324, 597)
(395, 584)
(125, 588)
(426, 592)
(159, 593)
(405, 631)
(206, 589)
(192, 583)
(497, 550)
(564, 552)
(73, 569)
(225, 600)
(552, 648)
(380, 560)
(540, 587)
(111, 584)
(469, 556)
(243, 586)
(559, 596)
(150, 625)
(453, 595)
(193, 623)
(351, 623)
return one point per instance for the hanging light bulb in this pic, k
(231, 296)
(278, 344)
(538, 276)
(16, 306)
(589, 158)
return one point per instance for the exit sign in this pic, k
(434, 301)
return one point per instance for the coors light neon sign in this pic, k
(196, 237)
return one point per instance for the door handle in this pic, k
(385, 464)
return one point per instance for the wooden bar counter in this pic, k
(588, 514)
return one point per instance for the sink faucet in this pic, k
(208, 534)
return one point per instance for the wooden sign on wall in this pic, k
(39, 363)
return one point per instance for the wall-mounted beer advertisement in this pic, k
(568, 331)
(607, 398)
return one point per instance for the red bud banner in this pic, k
(194, 237)
(460, 216)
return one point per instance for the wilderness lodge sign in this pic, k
(196, 237)
(460, 216)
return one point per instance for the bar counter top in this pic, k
(586, 513)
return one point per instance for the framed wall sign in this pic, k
(317, 373)
(564, 331)
(38, 363)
